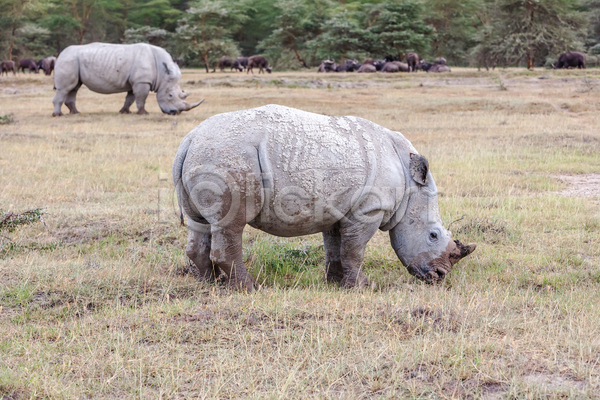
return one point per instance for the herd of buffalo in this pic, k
(45, 64)
(571, 59)
(388, 64)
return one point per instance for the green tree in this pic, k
(455, 24)
(343, 37)
(297, 24)
(399, 27)
(161, 14)
(206, 31)
(530, 30)
(15, 14)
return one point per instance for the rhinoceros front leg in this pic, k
(128, 102)
(140, 92)
(226, 253)
(198, 250)
(354, 239)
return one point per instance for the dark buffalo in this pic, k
(379, 64)
(367, 68)
(227, 62)
(570, 59)
(7, 66)
(423, 65)
(258, 62)
(348, 66)
(47, 65)
(390, 67)
(28, 63)
(440, 60)
(327, 66)
(412, 59)
(369, 61)
(180, 62)
(241, 63)
(439, 68)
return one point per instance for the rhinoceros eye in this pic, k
(433, 236)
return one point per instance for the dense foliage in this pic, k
(300, 33)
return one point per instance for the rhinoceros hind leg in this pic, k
(198, 250)
(70, 99)
(333, 261)
(128, 102)
(59, 99)
(226, 254)
(140, 92)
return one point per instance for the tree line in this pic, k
(300, 33)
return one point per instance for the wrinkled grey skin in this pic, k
(289, 173)
(106, 68)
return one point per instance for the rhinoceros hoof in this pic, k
(58, 114)
(358, 281)
(141, 111)
(332, 277)
(244, 285)
(124, 111)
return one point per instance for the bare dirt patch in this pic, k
(554, 382)
(587, 185)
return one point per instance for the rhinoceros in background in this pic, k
(573, 59)
(114, 68)
(288, 173)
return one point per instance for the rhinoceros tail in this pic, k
(178, 173)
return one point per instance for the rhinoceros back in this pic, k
(314, 168)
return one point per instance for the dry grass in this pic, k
(98, 302)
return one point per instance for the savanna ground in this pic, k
(98, 301)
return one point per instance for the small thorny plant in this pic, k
(10, 221)
(587, 85)
(6, 119)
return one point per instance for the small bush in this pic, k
(10, 220)
(6, 119)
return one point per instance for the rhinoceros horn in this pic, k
(188, 106)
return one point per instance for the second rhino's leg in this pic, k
(128, 102)
(354, 239)
(226, 253)
(140, 92)
(333, 260)
(70, 99)
(198, 250)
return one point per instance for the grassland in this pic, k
(97, 301)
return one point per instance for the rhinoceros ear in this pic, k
(418, 168)
(167, 70)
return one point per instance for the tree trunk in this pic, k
(300, 59)
(205, 58)
(12, 43)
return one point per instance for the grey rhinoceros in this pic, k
(114, 68)
(290, 173)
